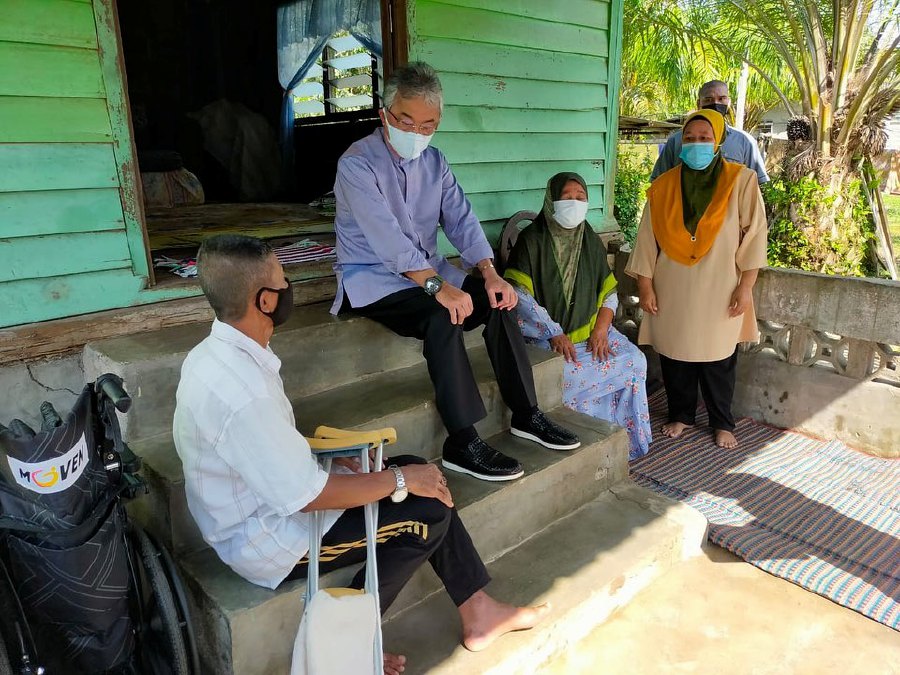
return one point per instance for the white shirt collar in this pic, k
(265, 357)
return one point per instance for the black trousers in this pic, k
(414, 313)
(409, 533)
(716, 381)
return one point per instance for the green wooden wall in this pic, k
(530, 86)
(70, 235)
(530, 89)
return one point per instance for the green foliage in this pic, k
(665, 59)
(892, 206)
(632, 180)
(798, 240)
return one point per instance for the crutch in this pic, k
(329, 444)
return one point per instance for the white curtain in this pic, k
(304, 27)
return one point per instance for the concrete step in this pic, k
(586, 565)
(247, 629)
(318, 352)
(402, 398)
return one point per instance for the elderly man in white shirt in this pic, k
(251, 479)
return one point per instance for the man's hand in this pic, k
(647, 295)
(495, 285)
(741, 300)
(598, 344)
(352, 463)
(426, 480)
(457, 302)
(561, 344)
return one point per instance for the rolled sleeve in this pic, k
(460, 223)
(357, 187)
(271, 457)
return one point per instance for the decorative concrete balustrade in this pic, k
(828, 360)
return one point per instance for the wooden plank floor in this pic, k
(188, 226)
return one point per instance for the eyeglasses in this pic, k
(407, 125)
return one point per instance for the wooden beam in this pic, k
(112, 62)
(49, 339)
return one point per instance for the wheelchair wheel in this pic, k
(160, 642)
(181, 604)
(17, 650)
(5, 668)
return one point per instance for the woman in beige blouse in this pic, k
(700, 244)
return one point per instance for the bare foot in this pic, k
(394, 664)
(484, 620)
(725, 439)
(674, 429)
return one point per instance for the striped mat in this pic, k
(816, 513)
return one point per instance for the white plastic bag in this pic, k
(337, 634)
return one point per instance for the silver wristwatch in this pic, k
(400, 492)
(433, 285)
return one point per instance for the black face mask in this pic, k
(283, 307)
(721, 108)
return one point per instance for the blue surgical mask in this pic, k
(698, 156)
(408, 144)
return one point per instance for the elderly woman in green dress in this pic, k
(567, 302)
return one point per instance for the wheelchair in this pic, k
(82, 588)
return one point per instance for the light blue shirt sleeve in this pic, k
(668, 158)
(459, 221)
(754, 160)
(612, 302)
(356, 186)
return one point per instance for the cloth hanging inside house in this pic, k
(304, 27)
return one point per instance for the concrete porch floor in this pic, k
(719, 614)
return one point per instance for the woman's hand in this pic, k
(647, 295)
(648, 301)
(561, 344)
(741, 300)
(598, 344)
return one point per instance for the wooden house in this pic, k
(530, 88)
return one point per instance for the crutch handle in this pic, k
(387, 435)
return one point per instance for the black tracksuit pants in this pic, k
(416, 530)
(414, 313)
(716, 380)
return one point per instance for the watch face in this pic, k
(433, 285)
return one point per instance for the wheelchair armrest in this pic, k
(387, 435)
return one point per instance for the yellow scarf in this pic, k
(667, 209)
(667, 214)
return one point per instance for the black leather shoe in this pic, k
(541, 429)
(479, 459)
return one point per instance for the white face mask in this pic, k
(407, 144)
(570, 213)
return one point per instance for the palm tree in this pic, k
(666, 59)
(836, 65)
(842, 59)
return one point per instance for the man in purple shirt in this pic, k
(393, 191)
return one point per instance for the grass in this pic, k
(892, 206)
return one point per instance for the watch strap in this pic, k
(398, 476)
